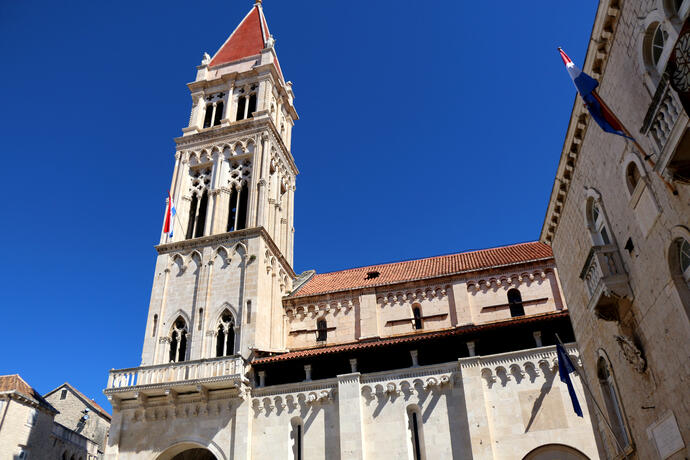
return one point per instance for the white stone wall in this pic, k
(473, 298)
(650, 217)
(17, 434)
(494, 407)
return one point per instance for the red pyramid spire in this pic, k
(248, 39)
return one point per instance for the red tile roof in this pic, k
(15, 383)
(425, 268)
(416, 337)
(247, 39)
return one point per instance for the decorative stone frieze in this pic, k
(513, 280)
(408, 296)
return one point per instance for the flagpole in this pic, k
(647, 157)
(583, 379)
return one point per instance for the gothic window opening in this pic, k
(417, 314)
(321, 330)
(515, 303)
(239, 196)
(201, 319)
(208, 117)
(597, 224)
(612, 402)
(232, 213)
(658, 43)
(632, 176)
(252, 105)
(201, 217)
(192, 217)
(241, 103)
(178, 341)
(218, 113)
(242, 208)
(225, 338)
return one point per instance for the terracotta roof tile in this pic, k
(15, 383)
(416, 337)
(425, 268)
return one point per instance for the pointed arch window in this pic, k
(321, 330)
(597, 223)
(198, 206)
(612, 402)
(515, 303)
(246, 102)
(225, 337)
(237, 215)
(178, 340)
(417, 317)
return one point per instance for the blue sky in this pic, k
(425, 129)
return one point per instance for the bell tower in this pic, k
(221, 275)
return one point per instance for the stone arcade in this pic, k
(445, 357)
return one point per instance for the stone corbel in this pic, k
(171, 396)
(115, 402)
(141, 398)
(203, 392)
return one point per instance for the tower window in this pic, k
(218, 113)
(321, 330)
(155, 326)
(225, 338)
(201, 217)
(252, 105)
(192, 217)
(515, 302)
(241, 103)
(417, 314)
(208, 118)
(178, 341)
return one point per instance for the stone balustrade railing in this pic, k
(662, 115)
(606, 280)
(176, 372)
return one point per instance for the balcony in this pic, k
(662, 116)
(165, 379)
(607, 283)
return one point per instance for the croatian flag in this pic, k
(565, 368)
(169, 215)
(597, 108)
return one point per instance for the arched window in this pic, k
(321, 330)
(208, 117)
(632, 176)
(237, 214)
(684, 258)
(296, 435)
(178, 340)
(597, 223)
(515, 303)
(218, 115)
(417, 316)
(612, 402)
(679, 265)
(252, 105)
(201, 217)
(241, 106)
(192, 217)
(225, 339)
(416, 435)
(653, 46)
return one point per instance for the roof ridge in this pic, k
(472, 251)
(233, 33)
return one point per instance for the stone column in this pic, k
(242, 430)
(350, 417)
(478, 408)
(461, 303)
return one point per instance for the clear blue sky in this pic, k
(425, 129)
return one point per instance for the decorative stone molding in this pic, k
(333, 307)
(411, 296)
(631, 353)
(292, 401)
(506, 282)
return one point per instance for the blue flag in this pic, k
(565, 368)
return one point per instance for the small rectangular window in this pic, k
(33, 415)
(63, 394)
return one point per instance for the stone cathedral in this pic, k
(444, 357)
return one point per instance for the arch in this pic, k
(596, 219)
(629, 160)
(225, 333)
(612, 402)
(415, 432)
(552, 451)
(296, 441)
(515, 303)
(186, 445)
(648, 26)
(179, 330)
(678, 264)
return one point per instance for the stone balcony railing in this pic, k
(159, 379)
(606, 281)
(662, 115)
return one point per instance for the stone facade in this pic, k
(80, 414)
(450, 356)
(617, 221)
(28, 429)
